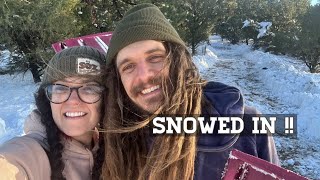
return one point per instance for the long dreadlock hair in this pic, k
(128, 152)
(54, 139)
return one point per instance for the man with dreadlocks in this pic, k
(152, 74)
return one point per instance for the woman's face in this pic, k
(74, 117)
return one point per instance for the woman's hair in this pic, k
(130, 151)
(55, 135)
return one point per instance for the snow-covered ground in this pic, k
(4, 59)
(16, 102)
(273, 84)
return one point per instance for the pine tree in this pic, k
(283, 14)
(231, 27)
(28, 28)
(193, 19)
(103, 15)
(285, 17)
(308, 46)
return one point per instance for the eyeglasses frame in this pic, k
(71, 90)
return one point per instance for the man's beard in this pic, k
(132, 107)
(141, 86)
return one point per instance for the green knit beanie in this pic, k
(142, 22)
(79, 61)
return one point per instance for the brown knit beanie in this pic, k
(80, 61)
(142, 22)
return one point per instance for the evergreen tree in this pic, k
(193, 19)
(283, 14)
(285, 17)
(28, 28)
(102, 15)
(308, 46)
(231, 27)
(250, 10)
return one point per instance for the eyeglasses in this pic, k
(58, 93)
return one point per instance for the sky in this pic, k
(271, 83)
(313, 2)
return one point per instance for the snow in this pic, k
(246, 23)
(285, 79)
(264, 172)
(290, 162)
(264, 27)
(16, 102)
(4, 59)
(2, 127)
(273, 84)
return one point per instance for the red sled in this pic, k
(242, 166)
(100, 41)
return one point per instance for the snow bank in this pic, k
(289, 80)
(4, 58)
(2, 127)
(16, 102)
(282, 77)
(206, 61)
(265, 26)
(276, 85)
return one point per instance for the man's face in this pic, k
(141, 67)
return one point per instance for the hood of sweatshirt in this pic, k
(225, 101)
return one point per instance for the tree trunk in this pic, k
(35, 72)
(193, 47)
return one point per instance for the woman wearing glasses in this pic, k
(61, 140)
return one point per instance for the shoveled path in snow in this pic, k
(230, 66)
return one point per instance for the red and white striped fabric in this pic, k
(100, 41)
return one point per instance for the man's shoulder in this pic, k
(219, 87)
(226, 100)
